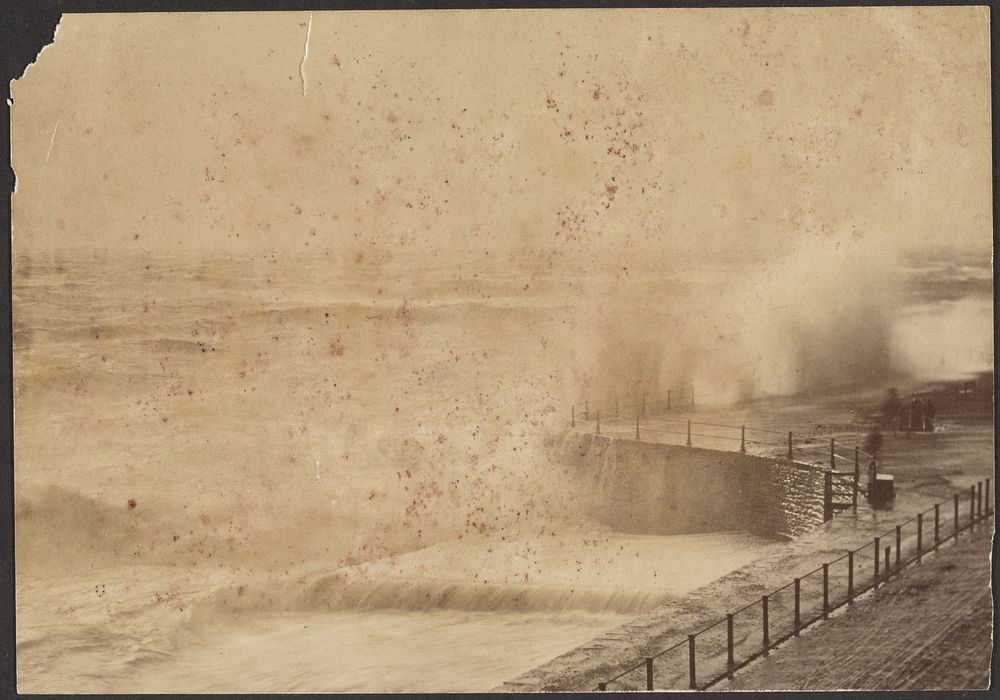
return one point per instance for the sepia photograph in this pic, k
(503, 350)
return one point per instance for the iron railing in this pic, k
(717, 651)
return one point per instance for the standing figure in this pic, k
(872, 445)
(904, 417)
(873, 442)
(892, 408)
(916, 414)
(929, 410)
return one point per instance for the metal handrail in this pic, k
(808, 443)
(978, 512)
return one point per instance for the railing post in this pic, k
(743, 438)
(598, 430)
(693, 679)
(833, 458)
(920, 536)
(877, 557)
(827, 496)
(767, 630)
(572, 416)
(602, 687)
(955, 524)
(649, 673)
(979, 499)
(956, 519)
(689, 433)
(826, 590)
(789, 445)
(850, 577)
(797, 618)
(972, 508)
(730, 658)
(887, 550)
(899, 544)
(636, 426)
(857, 478)
(937, 525)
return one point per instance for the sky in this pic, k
(694, 135)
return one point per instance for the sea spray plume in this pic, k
(815, 319)
(467, 473)
(818, 318)
(634, 333)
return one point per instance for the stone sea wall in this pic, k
(652, 488)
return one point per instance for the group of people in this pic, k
(917, 415)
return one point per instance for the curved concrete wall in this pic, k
(651, 488)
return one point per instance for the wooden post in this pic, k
(649, 673)
(797, 619)
(730, 658)
(767, 630)
(937, 525)
(602, 687)
(899, 544)
(877, 553)
(920, 536)
(617, 412)
(789, 445)
(979, 499)
(598, 430)
(887, 549)
(693, 682)
(857, 478)
(743, 439)
(850, 577)
(689, 433)
(572, 416)
(833, 457)
(986, 497)
(636, 426)
(826, 590)
(956, 519)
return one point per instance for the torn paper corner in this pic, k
(55, 35)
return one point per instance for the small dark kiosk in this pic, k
(881, 488)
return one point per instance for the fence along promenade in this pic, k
(715, 652)
(841, 487)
